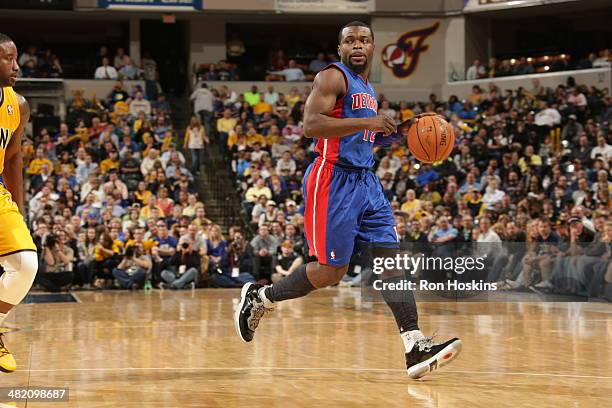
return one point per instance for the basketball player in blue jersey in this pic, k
(344, 201)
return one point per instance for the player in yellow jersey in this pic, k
(17, 250)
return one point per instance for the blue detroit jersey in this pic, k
(359, 101)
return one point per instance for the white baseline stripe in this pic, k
(328, 369)
(179, 325)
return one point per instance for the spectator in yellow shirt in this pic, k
(253, 137)
(412, 205)
(234, 135)
(226, 123)
(259, 189)
(477, 96)
(430, 195)
(293, 97)
(398, 150)
(27, 150)
(147, 244)
(147, 210)
(141, 119)
(142, 194)
(112, 162)
(167, 140)
(273, 137)
(529, 159)
(36, 164)
(405, 112)
(262, 107)
(121, 110)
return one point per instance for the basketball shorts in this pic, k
(14, 233)
(344, 209)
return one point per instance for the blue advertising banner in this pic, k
(152, 5)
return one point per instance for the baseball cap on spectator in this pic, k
(271, 202)
(573, 220)
(572, 116)
(291, 202)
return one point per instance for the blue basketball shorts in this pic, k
(344, 208)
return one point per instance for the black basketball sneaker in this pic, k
(427, 356)
(249, 311)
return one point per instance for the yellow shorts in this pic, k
(14, 233)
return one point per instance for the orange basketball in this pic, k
(431, 138)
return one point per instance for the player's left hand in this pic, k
(405, 125)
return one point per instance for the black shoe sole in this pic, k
(243, 293)
(442, 358)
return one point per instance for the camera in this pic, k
(185, 245)
(129, 252)
(51, 241)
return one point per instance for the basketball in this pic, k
(431, 138)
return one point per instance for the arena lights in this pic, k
(529, 59)
(513, 61)
(546, 68)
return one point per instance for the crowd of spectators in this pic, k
(121, 66)
(530, 65)
(279, 68)
(528, 165)
(523, 158)
(111, 201)
(44, 63)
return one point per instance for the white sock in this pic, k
(268, 304)
(410, 338)
(2, 317)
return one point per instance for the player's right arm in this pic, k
(327, 87)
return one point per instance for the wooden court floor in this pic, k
(179, 349)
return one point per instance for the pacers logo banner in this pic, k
(402, 57)
(410, 52)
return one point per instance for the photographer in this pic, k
(182, 268)
(240, 263)
(132, 270)
(57, 257)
